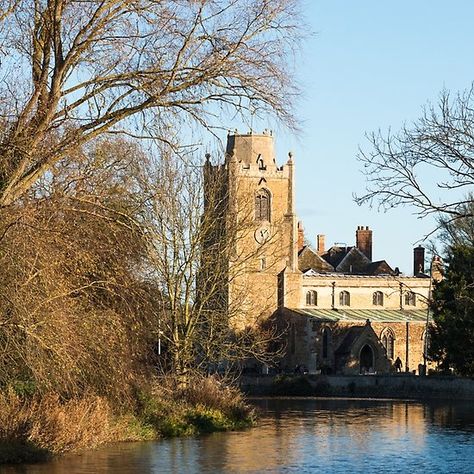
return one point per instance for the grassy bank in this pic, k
(36, 427)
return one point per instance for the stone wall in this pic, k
(412, 332)
(305, 344)
(373, 386)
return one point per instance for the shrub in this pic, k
(207, 404)
(215, 393)
(208, 420)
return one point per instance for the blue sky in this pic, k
(370, 64)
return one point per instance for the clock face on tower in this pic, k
(262, 234)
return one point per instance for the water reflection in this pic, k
(304, 435)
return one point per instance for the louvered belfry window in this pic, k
(262, 205)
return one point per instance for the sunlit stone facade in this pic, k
(341, 311)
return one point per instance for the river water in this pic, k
(303, 435)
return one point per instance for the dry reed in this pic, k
(54, 426)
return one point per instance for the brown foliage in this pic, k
(54, 426)
(217, 393)
(76, 313)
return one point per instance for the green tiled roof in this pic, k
(380, 315)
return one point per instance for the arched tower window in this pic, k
(311, 298)
(262, 205)
(344, 298)
(410, 299)
(388, 341)
(377, 298)
(326, 342)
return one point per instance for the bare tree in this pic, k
(72, 70)
(428, 165)
(192, 235)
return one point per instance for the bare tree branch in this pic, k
(429, 165)
(93, 66)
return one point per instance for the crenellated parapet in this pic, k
(255, 155)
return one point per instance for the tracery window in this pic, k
(377, 298)
(262, 205)
(344, 298)
(311, 298)
(388, 341)
(410, 298)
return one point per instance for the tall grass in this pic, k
(44, 426)
(35, 427)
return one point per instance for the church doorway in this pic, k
(366, 360)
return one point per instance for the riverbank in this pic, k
(35, 428)
(302, 435)
(369, 386)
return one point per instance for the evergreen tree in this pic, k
(452, 334)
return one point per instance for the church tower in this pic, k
(261, 222)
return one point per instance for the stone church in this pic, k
(339, 311)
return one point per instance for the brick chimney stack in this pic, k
(418, 260)
(364, 241)
(320, 244)
(300, 236)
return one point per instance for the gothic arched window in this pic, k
(410, 298)
(326, 342)
(377, 298)
(388, 341)
(344, 298)
(425, 342)
(262, 205)
(311, 298)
